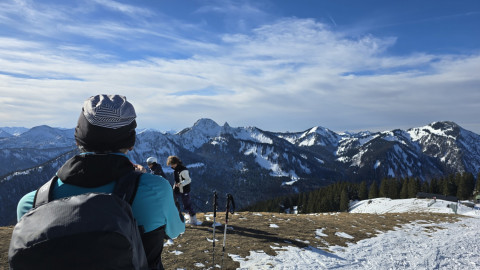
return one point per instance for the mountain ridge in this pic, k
(252, 163)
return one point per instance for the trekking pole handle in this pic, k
(215, 203)
(231, 202)
(230, 206)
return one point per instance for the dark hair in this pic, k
(173, 160)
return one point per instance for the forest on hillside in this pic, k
(336, 197)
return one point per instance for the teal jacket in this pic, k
(153, 206)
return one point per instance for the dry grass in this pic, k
(5, 235)
(250, 231)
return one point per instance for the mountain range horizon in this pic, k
(17, 130)
(252, 163)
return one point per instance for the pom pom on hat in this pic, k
(106, 123)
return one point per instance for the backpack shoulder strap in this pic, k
(126, 187)
(44, 193)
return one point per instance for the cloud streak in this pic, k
(287, 74)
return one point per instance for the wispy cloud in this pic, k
(237, 16)
(289, 70)
(124, 8)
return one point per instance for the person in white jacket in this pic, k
(181, 188)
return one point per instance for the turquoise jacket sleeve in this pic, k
(152, 207)
(156, 206)
(25, 204)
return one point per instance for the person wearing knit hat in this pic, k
(106, 123)
(105, 133)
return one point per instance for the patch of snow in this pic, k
(357, 159)
(344, 235)
(195, 165)
(294, 178)
(199, 265)
(302, 241)
(390, 172)
(319, 232)
(308, 142)
(418, 133)
(411, 246)
(252, 135)
(176, 252)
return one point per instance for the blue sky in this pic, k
(277, 65)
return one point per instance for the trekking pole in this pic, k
(231, 210)
(215, 205)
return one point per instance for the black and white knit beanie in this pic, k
(106, 123)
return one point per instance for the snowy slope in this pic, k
(413, 246)
(386, 205)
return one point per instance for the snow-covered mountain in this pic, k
(34, 147)
(254, 164)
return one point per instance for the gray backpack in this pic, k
(86, 231)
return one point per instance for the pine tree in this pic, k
(434, 186)
(404, 189)
(311, 202)
(457, 177)
(412, 188)
(373, 190)
(477, 186)
(362, 191)
(301, 202)
(425, 187)
(344, 201)
(326, 205)
(441, 185)
(465, 186)
(448, 187)
(393, 189)
(383, 190)
(470, 179)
